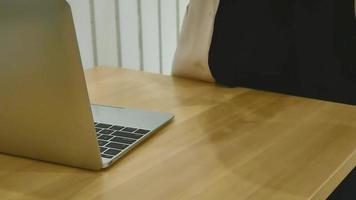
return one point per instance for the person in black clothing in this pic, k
(299, 47)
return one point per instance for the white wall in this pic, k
(136, 34)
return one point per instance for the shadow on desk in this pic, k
(245, 124)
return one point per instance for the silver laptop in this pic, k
(45, 113)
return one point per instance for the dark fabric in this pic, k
(346, 190)
(300, 47)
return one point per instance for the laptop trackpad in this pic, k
(130, 117)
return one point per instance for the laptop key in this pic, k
(129, 129)
(102, 149)
(112, 152)
(123, 140)
(117, 128)
(142, 131)
(98, 129)
(102, 143)
(106, 156)
(105, 137)
(117, 146)
(101, 125)
(106, 131)
(127, 135)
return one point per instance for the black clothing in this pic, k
(299, 47)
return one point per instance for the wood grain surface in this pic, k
(223, 144)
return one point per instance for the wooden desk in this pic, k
(223, 144)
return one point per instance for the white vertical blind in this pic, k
(105, 32)
(151, 36)
(136, 34)
(82, 20)
(130, 47)
(169, 36)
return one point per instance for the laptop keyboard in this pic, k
(115, 139)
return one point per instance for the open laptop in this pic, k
(45, 113)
